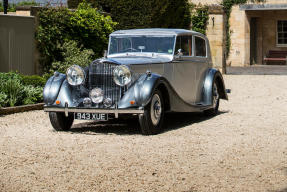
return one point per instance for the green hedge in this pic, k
(144, 13)
(34, 80)
(87, 26)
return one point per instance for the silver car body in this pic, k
(185, 80)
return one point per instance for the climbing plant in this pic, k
(199, 18)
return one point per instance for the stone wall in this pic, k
(239, 37)
(267, 31)
(216, 35)
(266, 34)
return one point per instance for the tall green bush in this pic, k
(144, 13)
(53, 29)
(86, 25)
(73, 55)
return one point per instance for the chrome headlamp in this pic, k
(122, 75)
(75, 75)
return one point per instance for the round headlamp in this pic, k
(122, 75)
(97, 95)
(75, 75)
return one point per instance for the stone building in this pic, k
(255, 30)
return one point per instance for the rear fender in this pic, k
(211, 76)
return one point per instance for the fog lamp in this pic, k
(87, 102)
(108, 102)
(97, 95)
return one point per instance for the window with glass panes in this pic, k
(282, 33)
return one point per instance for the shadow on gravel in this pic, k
(131, 126)
(180, 120)
(284, 190)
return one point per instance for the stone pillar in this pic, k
(216, 34)
(23, 10)
(239, 55)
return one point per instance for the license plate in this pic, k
(91, 116)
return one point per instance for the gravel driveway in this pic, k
(244, 148)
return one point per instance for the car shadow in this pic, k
(131, 126)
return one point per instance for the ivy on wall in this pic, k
(199, 18)
(227, 7)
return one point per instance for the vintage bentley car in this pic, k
(146, 72)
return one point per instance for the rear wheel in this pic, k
(60, 122)
(215, 101)
(152, 120)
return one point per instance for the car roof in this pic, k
(156, 31)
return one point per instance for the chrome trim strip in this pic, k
(113, 111)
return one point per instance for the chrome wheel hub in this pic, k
(156, 109)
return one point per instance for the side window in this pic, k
(185, 44)
(200, 47)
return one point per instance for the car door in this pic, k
(200, 63)
(183, 80)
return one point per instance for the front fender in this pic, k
(52, 88)
(211, 76)
(141, 92)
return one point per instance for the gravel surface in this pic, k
(244, 148)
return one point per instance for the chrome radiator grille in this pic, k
(101, 76)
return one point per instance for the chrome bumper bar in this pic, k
(67, 110)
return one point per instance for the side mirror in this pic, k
(179, 52)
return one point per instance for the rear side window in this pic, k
(185, 44)
(200, 47)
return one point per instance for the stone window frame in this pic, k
(277, 34)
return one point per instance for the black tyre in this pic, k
(215, 101)
(151, 121)
(60, 122)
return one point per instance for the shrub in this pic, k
(73, 55)
(144, 14)
(13, 90)
(32, 94)
(53, 29)
(58, 25)
(3, 99)
(34, 80)
(90, 28)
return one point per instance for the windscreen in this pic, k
(152, 44)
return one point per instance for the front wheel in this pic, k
(215, 101)
(152, 120)
(60, 122)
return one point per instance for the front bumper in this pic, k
(116, 112)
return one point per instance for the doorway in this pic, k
(253, 41)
